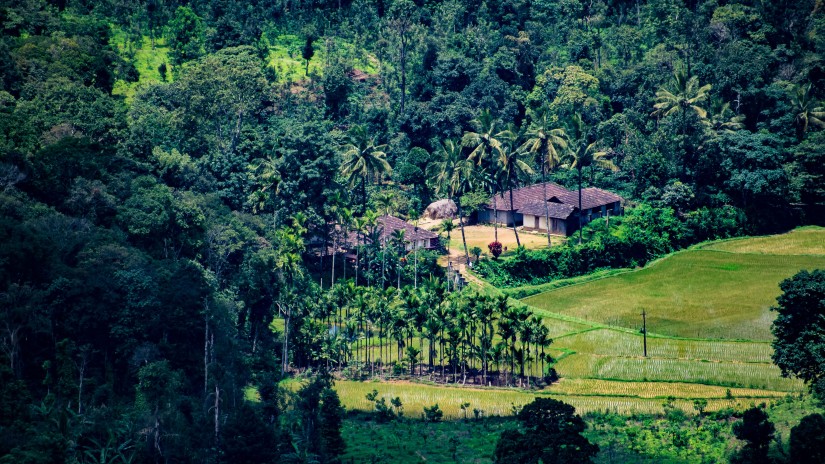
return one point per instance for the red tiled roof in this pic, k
(592, 197)
(556, 210)
(391, 223)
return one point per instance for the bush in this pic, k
(807, 444)
(644, 234)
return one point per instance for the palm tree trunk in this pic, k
(461, 224)
(544, 200)
(580, 205)
(513, 217)
(332, 275)
(495, 216)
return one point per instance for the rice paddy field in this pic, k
(699, 293)
(586, 396)
(708, 323)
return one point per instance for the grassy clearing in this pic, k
(802, 241)
(696, 293)
(147, 61)
(611, 342)
(636, 439)
(525, 291)
(286, 56)
(482, 235)
(744, 375)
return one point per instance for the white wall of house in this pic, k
(558, 226)
(504, 217)
(420, 244)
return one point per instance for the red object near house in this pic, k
(495, 249)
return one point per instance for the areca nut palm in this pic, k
(549, 143)
(363, 160)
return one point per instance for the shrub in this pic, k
(644, 234)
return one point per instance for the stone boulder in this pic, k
(441, 209)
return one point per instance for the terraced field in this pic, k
(586, 396)
(699, 293)
(708, 335)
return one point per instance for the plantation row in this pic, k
(425, 331)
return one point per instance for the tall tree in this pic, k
(757, 432)
(452, 174)
(402, 18)
(684, 95)
(549, 142)
(550, 433)
(363, 160)
(308, 52)
(185, 35)
(513, 170)
(485, 145)
(581, 154)
(798, 329)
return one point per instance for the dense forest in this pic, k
(178, 181)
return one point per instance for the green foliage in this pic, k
(185, 36)
(644, 234)
(432, 414)
(798, 328)
(550, 432)
(807, 440)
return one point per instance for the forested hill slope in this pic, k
(172, 173)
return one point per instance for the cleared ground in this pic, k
(482, 235)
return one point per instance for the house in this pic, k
(528, 208)
(414, 236)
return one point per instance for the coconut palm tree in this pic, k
(684, 95)
(485, 143)
(485, 140)
(363, 160)
(265, 173)
(582, 153)
(721, 118)
(513, 169)
(549, 142)
(453, 174)
(808, 111)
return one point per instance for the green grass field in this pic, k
(146, 58)
(621, 439)
(613, 342)
(285, 56)
(700, 293)
(585, 394)
(802, 241)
